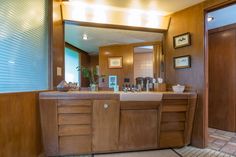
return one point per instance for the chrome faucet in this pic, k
(147, 86)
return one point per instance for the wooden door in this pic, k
(222, 80)
(106, 114)
(138, 129)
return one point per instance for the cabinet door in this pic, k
(105, 125)
(138, 129)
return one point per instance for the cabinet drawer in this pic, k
(173, 117)
(174, 108)
(74, 119)
(69, 130)
(74, 102)
(172, 126)
(74, 109)
(175, 102)
(171, 139)
(75, 145)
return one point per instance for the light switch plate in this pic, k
(59, 71)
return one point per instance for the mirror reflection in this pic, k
(126, 55)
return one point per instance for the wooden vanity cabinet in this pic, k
(79, 124)
(176, 121)
(139, 124)
(67, 126)
(106, 115)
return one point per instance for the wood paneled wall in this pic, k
(57, 43)
(191, 20)
(126, 51)
(20, 132)
(94, 61)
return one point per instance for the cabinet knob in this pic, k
(106, 106)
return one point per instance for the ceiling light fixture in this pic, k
(85, 37)
(210, 18)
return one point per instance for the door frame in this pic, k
(206, 64)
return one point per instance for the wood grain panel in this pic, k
(69, 130)
(74, 119)
(222, 82)
(126, 51)
(137, 105)
(57, 43)
(75, 145)
(171, 139)
(20, 133)
(134, 125)
(172, 126)
(174, 108)
(106, 125)
(74, 109)
(173, 117)
(48, 115)
(70, 102)
(94, 61)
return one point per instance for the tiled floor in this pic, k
(156, 153)
(222, 141)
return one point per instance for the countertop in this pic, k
(109, 94)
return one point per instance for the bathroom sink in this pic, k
(140, 96)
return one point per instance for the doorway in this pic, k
(221, 73)
(143, 61)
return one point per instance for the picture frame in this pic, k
(112, 81)
(182, 40)
(182, 62)
(115, 62)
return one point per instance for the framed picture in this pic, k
(182, 40)
(115, 62)
(112, 81)
(182, 62)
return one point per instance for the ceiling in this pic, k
(98, 37)
(143, 49)
(163, 7)
(222, 17)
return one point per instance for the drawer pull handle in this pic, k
(106, 106)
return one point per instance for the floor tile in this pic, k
(158, 153)
(229, 148)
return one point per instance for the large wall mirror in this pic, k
(140, 54)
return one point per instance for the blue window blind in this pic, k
(23, 45)
(71, 62)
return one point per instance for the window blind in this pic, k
(23, 45)
(71, 62)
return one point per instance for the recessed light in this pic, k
(210, 18)
(85, 37)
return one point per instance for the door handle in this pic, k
(106, 106)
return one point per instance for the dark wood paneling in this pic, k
(57, 43)
(222, 83)
(94, 61)
(20, 133)
(85, 62)
(126, 51)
